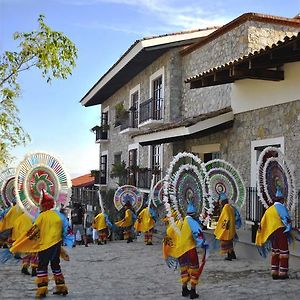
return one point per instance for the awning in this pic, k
(188, 129)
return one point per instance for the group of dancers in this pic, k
(189, 200)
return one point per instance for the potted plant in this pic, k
(104, 127)
(121, 114)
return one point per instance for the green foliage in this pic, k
(49, 51)
(121, 114)
(118, 170)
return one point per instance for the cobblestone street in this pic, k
(135, 271)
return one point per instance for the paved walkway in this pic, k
(135, 271)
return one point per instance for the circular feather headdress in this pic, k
(128, 193)
(7, 188)
(41, 171)
(274, 173)
(184, 184)
(157, 193)
(223, 178)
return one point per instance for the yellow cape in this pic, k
(175, 243)
(45, 232)
(270, 222)
(9, 219)
(144, 221)
(99, 222)
(225, 229)
(127, 221)
(22, 224)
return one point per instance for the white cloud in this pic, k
(172, 14)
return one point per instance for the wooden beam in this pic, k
(261, 74)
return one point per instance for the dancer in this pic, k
(145, 223)
(22, 224)
(277, 191)
(225, 231)
(182, 247)
(101, 223)
(7, 222)
(275, 227)
(45, 238)
(127, 222)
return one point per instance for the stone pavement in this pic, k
(134, 271)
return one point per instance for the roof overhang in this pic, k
(264, 64)
(198, 129)
(140, 55)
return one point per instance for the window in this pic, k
(156, 157)
(207, 152)
(157, 98)
(211, 156)
(104, 118)
(134, 109)
(132, 158)
(117, 158)
(103, 169)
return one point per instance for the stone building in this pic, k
(230, 93)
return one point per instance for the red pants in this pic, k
(280, 253)
(30, 260)
(103, 234)
(189, 267)
(148, 236)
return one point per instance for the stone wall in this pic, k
(240, 41)
(171, 61)
(271, 122)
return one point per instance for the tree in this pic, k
(51, 52)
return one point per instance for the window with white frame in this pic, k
(157, 94)
(155, 157)
(134, 108)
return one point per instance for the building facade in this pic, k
(227, 94)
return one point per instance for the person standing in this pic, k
(127, 222)
(275, 227)
(182, 248)
(45, 238)
(225, 230)
(145, 223)
(101, 223)
(77, 218)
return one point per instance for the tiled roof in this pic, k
(187, 121)
(238, 21)
(245, 57)
(83, 181)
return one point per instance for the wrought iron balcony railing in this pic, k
(101, 132)
(151, 109)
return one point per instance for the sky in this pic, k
(102, 31)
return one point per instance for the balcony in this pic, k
(129, 124)
(101, 133)
(151, 113)
(100, 177)
(141, 177)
